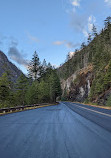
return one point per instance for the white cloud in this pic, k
(32, 38)
(82, 23)
(89, 27)
(75, 3)
(91, 21)
(71, 45)
(108, 2)
(58, 42)
(66, 43)
(85, 33)
(78, 22)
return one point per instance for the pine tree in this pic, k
(49, 66)
(107, 77)
(107, 22)
(55, 88)
(43, 68)
(94, 31)
(32, 93)
(68, 57)
(21, 88)
(89, 38)
(4, 89)
(44, 64)
(83, 45)
(34, 67)
(43, 95)
(9, 75)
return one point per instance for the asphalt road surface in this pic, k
(66, 130)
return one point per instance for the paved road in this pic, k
(100, 116)
(53, 132)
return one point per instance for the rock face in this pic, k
(5, 64)
(87, 75)
(78, 85)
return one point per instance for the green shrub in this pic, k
(86, 101)
(108, 103)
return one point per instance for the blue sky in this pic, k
(51, 27)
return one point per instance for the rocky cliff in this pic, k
(87, 75)
(6, 65)
(78, 85)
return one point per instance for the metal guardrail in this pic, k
(20, 108)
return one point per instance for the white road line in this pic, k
(92, 110)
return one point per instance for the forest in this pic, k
(97, 54)
(41, 85)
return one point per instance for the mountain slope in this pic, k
(6, 65)
(87, 76)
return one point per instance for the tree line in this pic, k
(88, 52)
(97, 52)
(42, 85)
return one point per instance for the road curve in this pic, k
(53, 132)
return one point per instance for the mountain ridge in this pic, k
(86, 77)
(5, 65)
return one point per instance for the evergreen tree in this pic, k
(9, 75)
(49, 66)
(107, 77)
(32, 93)
(44, 64)
(107, 22)
(43, 68)
(55, 88)
(34, 67)
(4, 89)
(94, 31)
(89, 38)
(76, 50)
(83, 45)
(21, 88)
(107, 36)
(68, 57)
(43, 95)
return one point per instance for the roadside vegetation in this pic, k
(96, 52)
(42, 85)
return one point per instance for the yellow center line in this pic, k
(92, 110)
